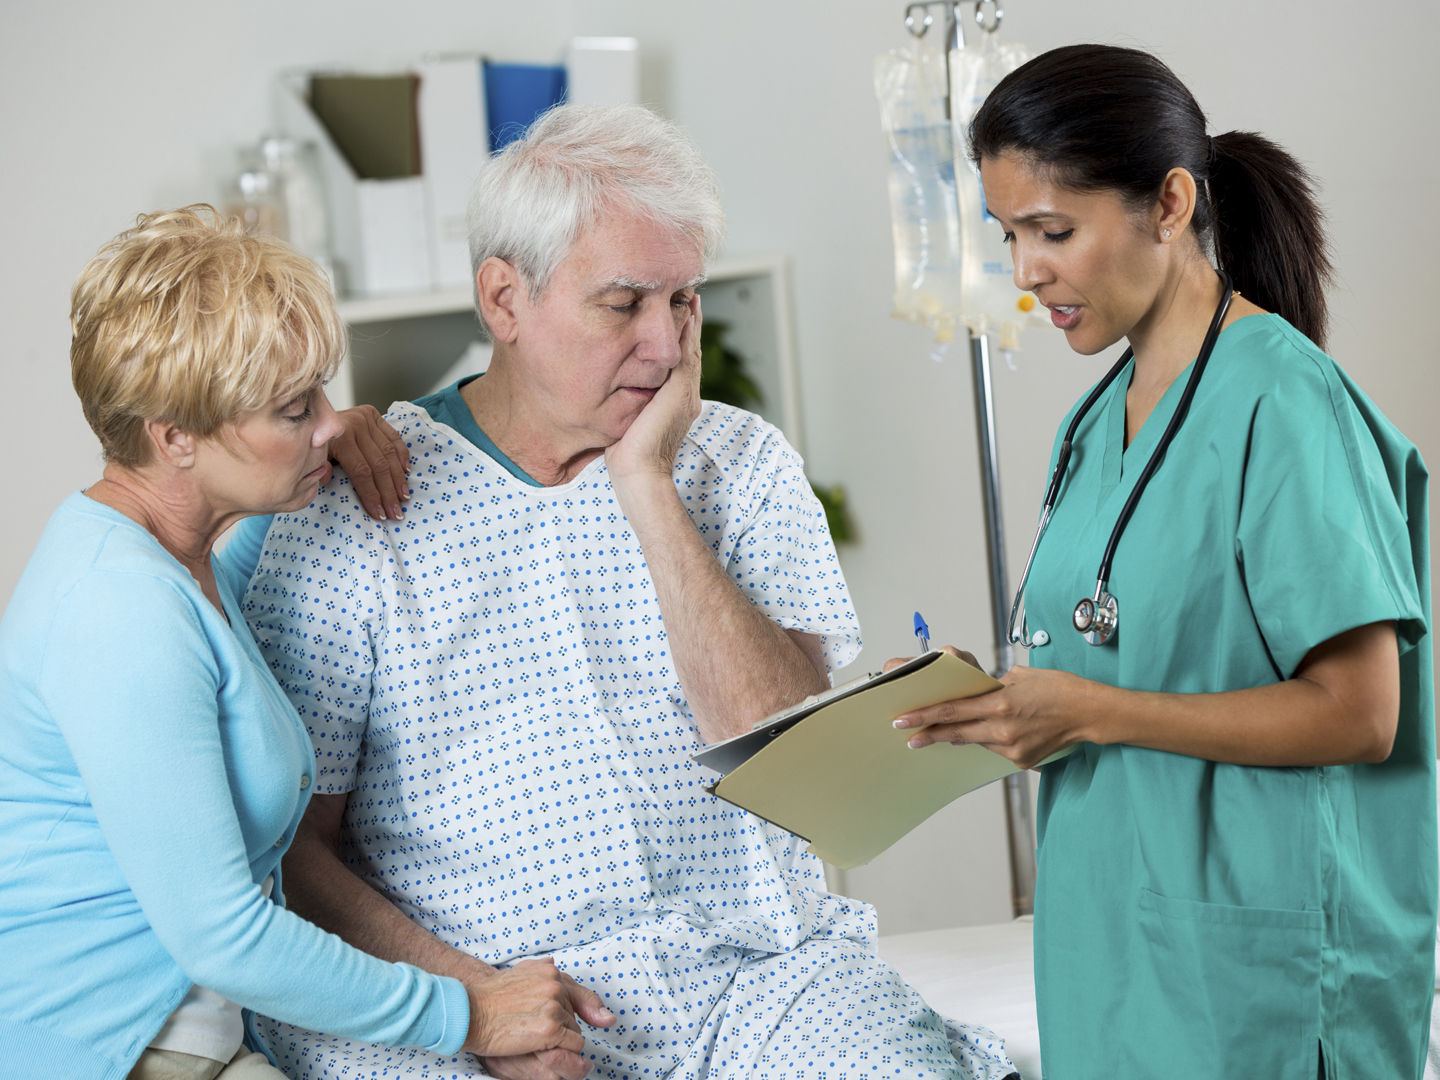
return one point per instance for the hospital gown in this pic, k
(490, 680)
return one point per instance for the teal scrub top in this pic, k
(1197, 919)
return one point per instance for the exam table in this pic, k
(985, 975)
(978, 974)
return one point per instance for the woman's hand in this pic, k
(1032, 716)
(523, 1022)
(376, 459)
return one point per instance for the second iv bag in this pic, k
(990, 299)
(951, 263)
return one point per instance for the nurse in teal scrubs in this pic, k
(1238, 862)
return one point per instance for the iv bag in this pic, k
(951, 263)
(989, 299)
(912, 87)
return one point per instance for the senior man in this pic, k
(597, 572)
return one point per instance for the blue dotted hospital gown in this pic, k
(490, 680)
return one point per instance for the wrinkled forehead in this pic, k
(631, 250)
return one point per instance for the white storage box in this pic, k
(379, 232)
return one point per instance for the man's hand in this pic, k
(523, 1022)
(376, 459)
(649, 447)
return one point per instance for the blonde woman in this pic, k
(152, 773)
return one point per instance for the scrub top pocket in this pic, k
(1232, 991)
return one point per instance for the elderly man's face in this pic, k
(606, 333)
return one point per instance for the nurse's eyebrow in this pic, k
(1038, 215)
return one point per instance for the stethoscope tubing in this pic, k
(1171, 429)
(1062, 461)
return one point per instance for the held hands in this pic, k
(1033, 715)
(376, 459)
(523, 1022)
(648, 449)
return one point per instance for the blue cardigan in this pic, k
(152, 773)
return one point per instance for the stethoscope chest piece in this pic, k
(1096, 617)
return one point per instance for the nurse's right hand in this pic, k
(1034, 714)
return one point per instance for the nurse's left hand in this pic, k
(1032, 716)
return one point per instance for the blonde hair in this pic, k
(188, 319)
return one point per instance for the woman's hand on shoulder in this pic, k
(1035, 713)
(375, 457)
(523, 1022)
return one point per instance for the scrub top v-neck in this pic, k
(1196, 919)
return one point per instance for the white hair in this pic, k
(536, 197)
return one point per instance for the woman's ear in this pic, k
(1176, 206)
(498, 288)
(173, 446)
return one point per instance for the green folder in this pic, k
(834, 771)
(373, 120)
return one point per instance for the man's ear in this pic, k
(173, 446)
(499, 290)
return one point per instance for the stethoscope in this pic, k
(1097, 616)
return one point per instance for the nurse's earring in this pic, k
(1166, 234)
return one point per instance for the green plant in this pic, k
(722, 370)
(723, 378)
(837, 514)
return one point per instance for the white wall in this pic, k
(111, 109)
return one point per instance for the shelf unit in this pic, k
(402, 346)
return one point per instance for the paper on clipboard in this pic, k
(837, 773)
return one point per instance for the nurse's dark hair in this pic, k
(1101, 117)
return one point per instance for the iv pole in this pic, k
(1019, 828)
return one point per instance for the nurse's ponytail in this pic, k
(1100, 117)
(1268, 230)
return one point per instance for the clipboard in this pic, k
(833, 771)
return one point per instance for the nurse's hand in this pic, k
(1032, 716)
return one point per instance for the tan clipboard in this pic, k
(837, 773)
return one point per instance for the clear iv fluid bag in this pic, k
(925, 212)
(990, 299)
(951, 263)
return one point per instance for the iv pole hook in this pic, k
(918, 21)
(925, 19)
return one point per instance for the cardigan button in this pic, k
(304, 782)
(280, 842)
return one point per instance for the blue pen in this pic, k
(922, 632)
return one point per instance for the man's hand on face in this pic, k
(648, 449)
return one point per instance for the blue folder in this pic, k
(515, 95)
